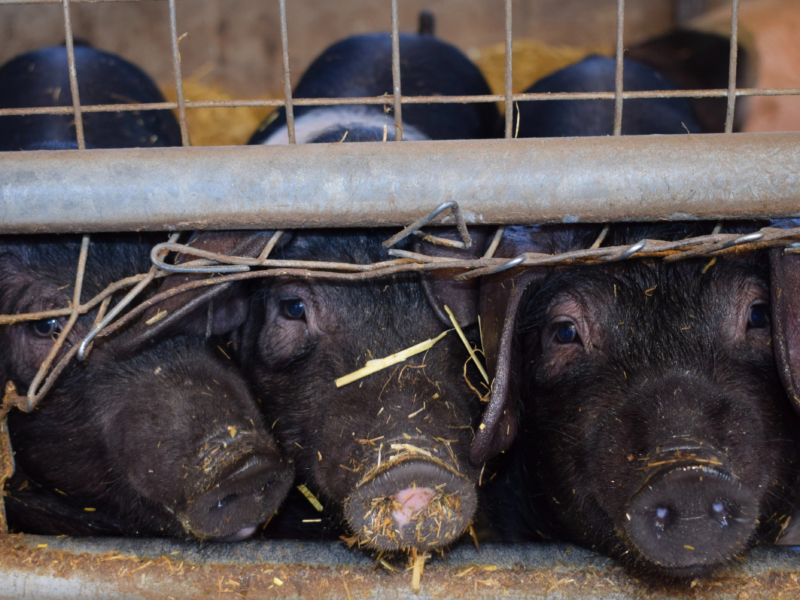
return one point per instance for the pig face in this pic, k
(167, 430)
(390, 449)
(173, 430)
(37, 273)
(653, 412)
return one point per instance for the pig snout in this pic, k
(411, 500)
(690, 511)
(242, 485)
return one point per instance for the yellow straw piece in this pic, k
(378, 364)
(159, 315)
(410, 448)
(466, 344)
(310, 497)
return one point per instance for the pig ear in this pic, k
(229, 309)
(439, 287)
(785, 283)
(499, 304)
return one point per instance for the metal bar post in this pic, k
(73, 77)
(734, 56)
(397, 103)
(176, 66)
(619, 74)
(287, 76)
(509, 74)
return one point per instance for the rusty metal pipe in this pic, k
(375, 184)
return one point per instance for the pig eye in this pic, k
(293, 308)
(566, 332)
(46, 327)
(759, 315)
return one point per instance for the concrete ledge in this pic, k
(64, 568)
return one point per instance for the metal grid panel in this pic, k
(396, 100)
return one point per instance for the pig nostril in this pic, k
(662, 519)
(721, 512)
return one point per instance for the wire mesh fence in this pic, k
(396, 100)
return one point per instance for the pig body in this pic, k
(165, 441)
(41, 79)
(388, 453)
(567, 118)
(360, 66)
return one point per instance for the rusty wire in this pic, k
(389, 100)
(711, 245)
(34, 391)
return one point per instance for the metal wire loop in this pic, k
(415, 227)
(750, 237)
(630, 251)
(206, 266)
(493, 270)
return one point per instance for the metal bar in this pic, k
(618, 74)
(397, 102)
(287, 76)
(73, 77)
(191, 104)
(176, 67)
(374, 184)
(734, 56)
(509, 96)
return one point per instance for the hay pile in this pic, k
(532, 61)
(218, 126)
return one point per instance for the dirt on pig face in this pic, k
(650, 394)
(390, 450)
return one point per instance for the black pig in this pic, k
(164, 441)
(698, 60)
(167, 442)
(388, 452)
(653, 426)
(651, 421)
(41, 79)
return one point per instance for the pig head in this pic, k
(388, 452)
(172, 431)
(653, 425)
(165, 440)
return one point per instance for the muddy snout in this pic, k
(691, 512)
(244, 489)
(418, 503)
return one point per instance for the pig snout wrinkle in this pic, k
(413, 504)
(691, 513)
